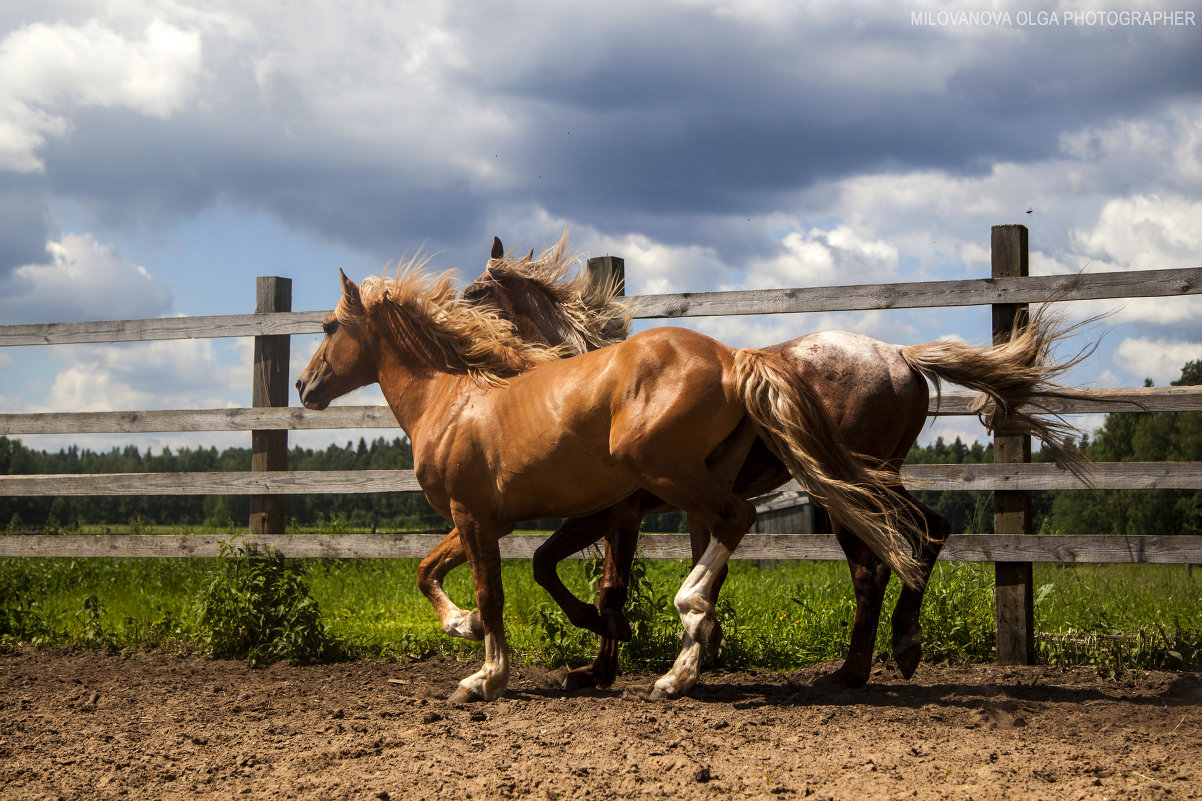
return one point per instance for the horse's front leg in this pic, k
(445, 557)
(479, 540)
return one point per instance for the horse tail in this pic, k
(861, 496)
(1015, 381)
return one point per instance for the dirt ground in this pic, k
(80, 725)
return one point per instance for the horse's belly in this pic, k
(563, 481)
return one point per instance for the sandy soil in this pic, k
(88, 725)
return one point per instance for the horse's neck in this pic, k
(418, 395)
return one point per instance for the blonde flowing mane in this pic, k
(595, 314)
(421, 312)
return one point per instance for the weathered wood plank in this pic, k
(233, 483)
(1100, 549)
(1014, 609)
(294, 418)
(968, 292)
(291, 418)
(199, 327)
(1042, 476)
(1093, 401)
(270, 389)
(988, 477)
(1106, 549)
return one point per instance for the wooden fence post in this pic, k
(1012, 508)
(269, 449)
(604, 269)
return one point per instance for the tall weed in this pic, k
(257, 607)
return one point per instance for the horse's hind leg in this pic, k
(726, 517)
(445, 557)
(619, 558)
(869, 578)
(574, 535)
(907, 631)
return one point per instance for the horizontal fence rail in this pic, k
(863, 297)
(296, 418)
(1076, 549)
(943, 477)
(924, 294)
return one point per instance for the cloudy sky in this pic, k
(156, 156)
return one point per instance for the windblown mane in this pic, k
(422, 312)
(585, 316)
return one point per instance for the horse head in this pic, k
(345, 360)
(545, 306)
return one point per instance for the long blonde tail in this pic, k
(795, 426)
(1016, 381)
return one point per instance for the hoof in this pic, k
(709, 634)
(616, 626)
(463, 695)
(589, 677)
(660, 694)
(580, 679)
(467, 626)
(907, 652)
(841, 679)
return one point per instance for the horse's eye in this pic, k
(329, 327)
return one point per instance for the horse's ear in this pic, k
(530, 257)
(349, 289)
(498, 250)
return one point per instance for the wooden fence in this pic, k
(1011, 478)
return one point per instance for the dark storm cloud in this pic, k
(24, 223)
(133, 173)
(695, 116)
(660, 120)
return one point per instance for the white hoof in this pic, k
(464, 624)
(484, 685)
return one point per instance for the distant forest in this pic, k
(1126, 436)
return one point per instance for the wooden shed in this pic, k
(789, 512)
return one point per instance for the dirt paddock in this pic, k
(79, 725)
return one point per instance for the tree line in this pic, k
(1124, 436)
(399, 511)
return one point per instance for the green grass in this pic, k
(1114, 617)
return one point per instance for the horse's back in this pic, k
(878, 401)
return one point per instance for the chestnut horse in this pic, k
(874, 392)
(505, 431)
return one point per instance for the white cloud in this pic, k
(45, 69)
(84, 280)
(1158, 359)
(173, 374)
(1145, 232)
(819, 257)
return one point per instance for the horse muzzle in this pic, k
(309, 396)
